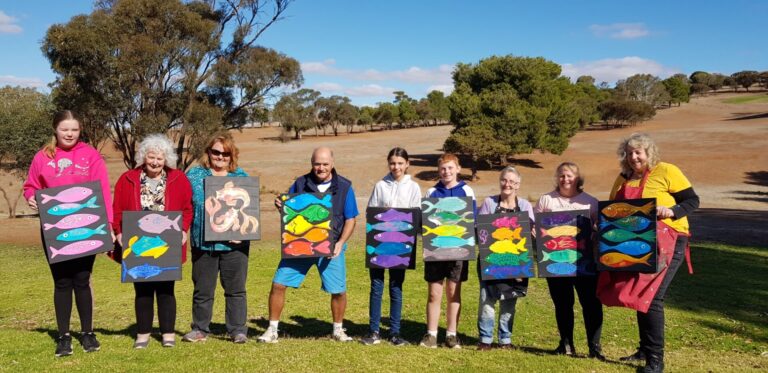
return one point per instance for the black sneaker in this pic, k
(397, 340)
(64, 346)
(89, 342)
(565, 348)
(371, 339)
(452, 341)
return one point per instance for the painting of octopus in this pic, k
(232, 209)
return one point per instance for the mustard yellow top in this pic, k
(663, 180)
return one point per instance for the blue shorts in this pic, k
(333, 272)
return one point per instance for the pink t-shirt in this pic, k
(553, 201)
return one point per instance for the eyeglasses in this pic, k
(220, 154)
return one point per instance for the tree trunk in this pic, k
(11, 205)
(474, 169)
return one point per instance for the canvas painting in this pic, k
(151, 245)
(627, 236)
(306, 225)
(390, 237)
(504, 241)
(74, 221)
(232, 209)
(563, 246)
(448, 229)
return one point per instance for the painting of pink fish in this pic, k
(156, 223)
(74, 194)
(80, 247)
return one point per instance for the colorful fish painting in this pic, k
(501, 272)
(507, 246)
(156, 223)
(562, 269)
(631, 223)
(506, 222)
(622, 209)
(559, 219)
(394, 215)
(620, 235)
(508, 259)
(451, 204)
(507, 234)
(304, 248)
(563, 230)
(393, 237)
(76, 248)
(313, 213)
(70, 208)
(445, 230)
(79, 234)
(144, 271)
(145, 247)
(633, 248)
(619, 260)
(313, 235)
(561, 256)
(561, 243)
(446, 254)
(73, 221)
(441, 242)
(74, 194)
(389, 248)
(299, 225)
(301, 201)
(389, 226)
(389, 261)
(448, 218)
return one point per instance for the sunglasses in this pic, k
(220, 154)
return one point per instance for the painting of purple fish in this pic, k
(151, 240)
(449, 223)
(74, 221)
(505, 244)
(390, 237)
(505, 272)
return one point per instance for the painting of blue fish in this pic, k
(506, 272)
(389, 248)
(441, 242)
(634, 248)
(562, 269)
(79, 234)
(144, 271)
(390, 237)
(452, 204)
(301, 201)
(71, 208)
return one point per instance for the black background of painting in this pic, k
(427, 244)
(484, 222)
(282, 229)
(251, 185)
(653, 262)
(583, 223)
(171, 258)
(49, 236)
(370, 241)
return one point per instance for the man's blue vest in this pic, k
(338, 190)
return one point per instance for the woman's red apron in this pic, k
(637, 290)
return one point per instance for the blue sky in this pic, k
(367, 49)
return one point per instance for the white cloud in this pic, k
(367, 90)
(445, 88)
(326, 86)
(19, 81)
(620, 30)
(8, 24)
(415, 74)
(614, 69)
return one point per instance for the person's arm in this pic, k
(415, 196)
(32, 183)
(375, 200)
(686, 202)
(346, 232)
(187, 212)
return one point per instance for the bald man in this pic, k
(333, 271)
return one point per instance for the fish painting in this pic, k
(501, 272)
(74, 194)
(76, 248)
(301, 201)
(451, 204)
(620, 235)
(448, 217)
(633, 248)
(561, 268)
(393, 237)
(70, 208)
(299, 248)
(446, 254)
(441, 242)
(623, 209)
(563, 230)
(445, 230)
(79, 234)
(389, 248)
(561, 256)
(507, 246)
(299, 225)
(506, 222)
(389, 226)
(73, 221)
(313, 235)
(313, 213)
(507, 234)
(559, 219)
(630, 223)
(394, 215)
(389, 261)
(144, 271)
(560, 243)
(619, 260)
(146, 247)
(508, 259)
(156, 223)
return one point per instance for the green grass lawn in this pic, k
(750, 99)
(717, 320)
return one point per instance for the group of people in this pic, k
(156, 185)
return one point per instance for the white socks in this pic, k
(273, 324)
(432, 333)
(450, 334)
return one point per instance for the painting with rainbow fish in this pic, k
(448, 229)
(390, 237)
(627, 236)
(305, 225)
(504, 243)
(232, 209)
(564, 245)
(151, 246)
(74, 221)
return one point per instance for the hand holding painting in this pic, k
(32, 203)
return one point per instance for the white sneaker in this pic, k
(339, 335)
(270, 336)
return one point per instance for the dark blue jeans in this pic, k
(396, 278)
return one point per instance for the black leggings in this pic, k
(73, 275)
(144, 304)
(561, 291)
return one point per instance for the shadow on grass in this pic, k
(757, 178)
(730, 226)
(130, 331)
(748, 116)
(729, 282)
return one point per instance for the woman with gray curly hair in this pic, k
(154, 185)
(643, 175)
